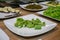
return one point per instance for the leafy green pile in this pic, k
(53, 12)
(37, 24)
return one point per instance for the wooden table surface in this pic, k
(51, 35)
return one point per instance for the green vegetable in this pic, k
(34, 23)
(30, 25)
(53, 12)
(38, 26)
(33, 6)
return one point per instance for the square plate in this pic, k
(3, 35)
(28, 32)
(7, 15)
(44, 2)
(41, 13)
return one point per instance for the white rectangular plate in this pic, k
(41, 13)
(28, 32)
(44, 2)
(3, 35)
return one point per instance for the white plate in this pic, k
(44, 2)
(43, 7)
(28, 32)
(3, 35)
(41, 13)
(7, 15)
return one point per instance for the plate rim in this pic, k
(46, 16)
(26, 36)
(34, 9)
(15, 14)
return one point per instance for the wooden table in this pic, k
(52, 35)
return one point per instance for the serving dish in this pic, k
(41, 13)
(8, 12)
(7, 15)
(43, 7)
(44, 3)
(3, 35)
(28, 32)
(51, 3)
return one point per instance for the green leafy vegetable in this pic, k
(34, 23)
(53, 12)
(33, 6)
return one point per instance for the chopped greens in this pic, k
(53, 12)
(34, 23)
(33, 6)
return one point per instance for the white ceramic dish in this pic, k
(28, 32)
(43, 7)
(44, 2)
(41, 13)
(3, 35)
(7, 15)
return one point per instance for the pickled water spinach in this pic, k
(34, 23)
(53, 12)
